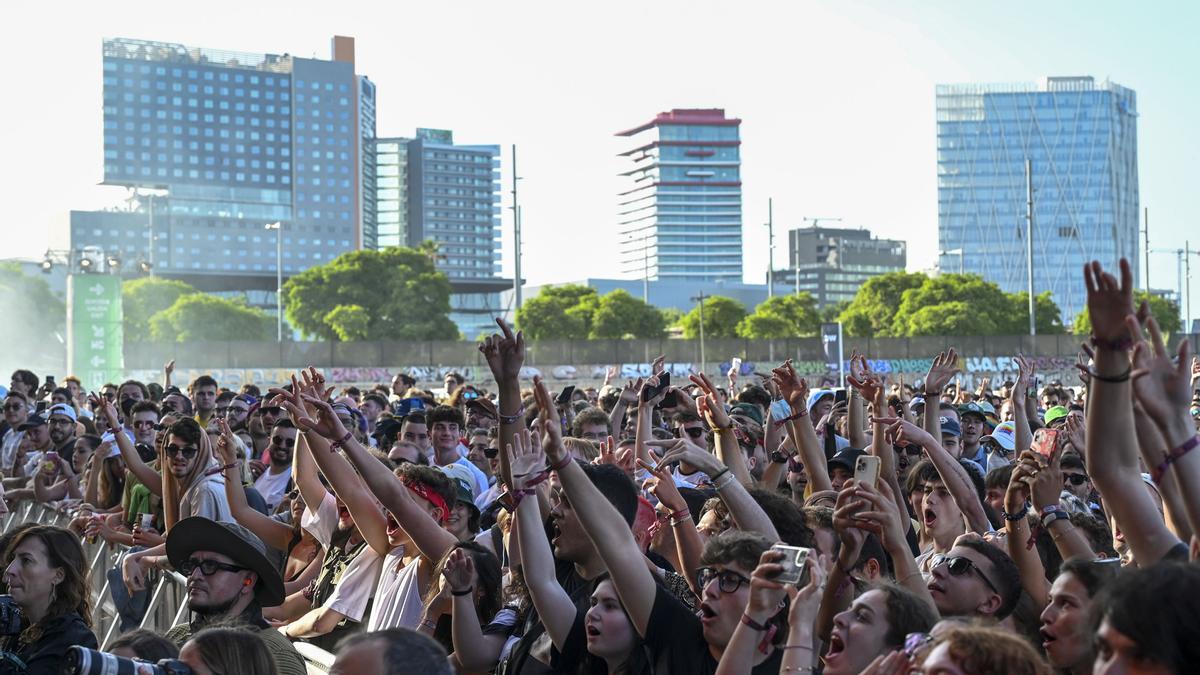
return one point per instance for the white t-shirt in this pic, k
(357, 585)
(8, 455)
(398, 601)
(273, 486)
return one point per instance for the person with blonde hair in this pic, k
(979, 650)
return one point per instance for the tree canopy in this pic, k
(782, 316)
(393, 294)
(36, 316)
(721, 318)
(200, 316)
(143, 298)
(558, 313)
(619, 314)
(873, 309)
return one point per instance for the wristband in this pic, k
(752, 623)
(562, 463)
(1122, 345)
(1014, 517)
(1058, 513)
(722, 472)
(467, 591)
(1174, 456)
(1123, 377)
(513, 418)
(728, 480)
(336, 445)
(220, 469)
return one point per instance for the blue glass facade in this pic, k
(681, 214)
(236, 141)
(1082, 140)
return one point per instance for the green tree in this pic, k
(833, 312)
(671, 316)
(143, 298)
(559, 313)
(1049, 316)
(797, 312)
(618, 314)
(873, 310)
(36, 316)
(989, 309)
(350, 322)
(398, 289)
(200, 316)
(721, 318)
(1165, 312)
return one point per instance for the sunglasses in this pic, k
(283, 442)
(794, 465)
(693, 432)
(491, 453)
(188, 452)
(960, 566)
(206, 567)
(728, 581)
(1075, 478)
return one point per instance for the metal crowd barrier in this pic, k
(168, 600)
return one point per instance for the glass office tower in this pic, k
(228, 142)
(1082, 140)
(681, 212)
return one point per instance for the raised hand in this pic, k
(852, 538)
(866, 381)
(712, 403)
(459, 571)
(169, 368)
(1109, 302)
(106, 408)
(1025, 375)
(766, 594)
(881, 517)
(504, 352)
(792, 387)
(1163, 388)
(902, 432)
(550, 424)
(526, 458)
(643, 404)
(663, 486)
(623, 459)
(807, 601)
(683, 450)
(225, 442)
(326, 423)
(629, 393)
(609, 373)
(1075, 433)
(941, 371)
(1044, 477)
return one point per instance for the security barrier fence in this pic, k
(168, 599)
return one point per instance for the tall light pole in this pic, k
(770, 248)
(703, 361)
(1146, 235)
(278, 227)
(1029, 241)
(516, 235)
(150, 256)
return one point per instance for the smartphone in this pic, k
(50, 463)
(735, 366)
(780, 410)
(50, 382)
(669, 401)
(664, 381)
(41, 407)
(866, 470)
(795, 564)
(564, 397)
(1045, 441)
(839, 396)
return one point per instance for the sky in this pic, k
(836, 100)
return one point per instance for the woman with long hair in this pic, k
(470, 571)
(227, 651)
(46, 574)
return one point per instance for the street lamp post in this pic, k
(278, 227)
(703, 361)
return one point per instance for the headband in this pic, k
(429, 494)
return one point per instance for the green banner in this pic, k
(95, 335)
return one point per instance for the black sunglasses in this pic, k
(959, 565)
(206, 567)
(283, 442)
(491, 453)
(188, 452)
(694, 432)
(1075, 478)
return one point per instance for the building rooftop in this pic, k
(169, 52)
(695, 116)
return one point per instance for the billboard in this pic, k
(94, 332)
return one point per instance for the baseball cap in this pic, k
(747, 410)
(972, 408)
(817, 396)
(845, 458)
(62, 409)
(35, 420)
(1005, 435)
(464, 482)
(917, 403)
(950, 426)
(1055, 413)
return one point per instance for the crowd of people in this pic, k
(655, 527)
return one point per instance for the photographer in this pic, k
(47, 580)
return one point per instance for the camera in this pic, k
(84, 661)
(10, 616)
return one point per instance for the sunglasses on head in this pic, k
(1075, 478)
(188, 452)
(283, 442)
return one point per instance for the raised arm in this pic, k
(865, 380)
(1111, 439)
(688, 545)
(91, 490)
(275, 534)
(645, 417)
(801, 430)
(854, 425)
(473, 650)
(941, 371)
(133, 461)
(1164, 390)
(955, 477)
(882, 519)
(728, 451)
(1016, 501)
(1016, 398)
(505, 355)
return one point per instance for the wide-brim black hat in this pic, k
(229, 539)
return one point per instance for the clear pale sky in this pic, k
(836, 98)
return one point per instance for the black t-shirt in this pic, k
(675, 640)
(67, 450)
(534, 639)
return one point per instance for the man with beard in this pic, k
(204, 398)
(276, 480)
(230, 580)
(61, 423)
